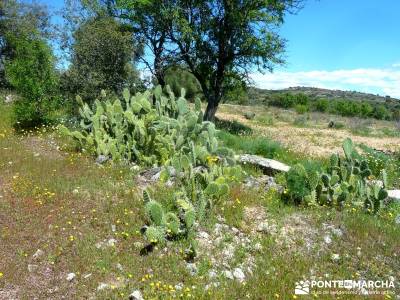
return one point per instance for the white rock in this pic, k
(238, 274)
(32, 268)
(71, 276)
(103, 286)
(138, 245)
(179, 286)
(136, 295)
(169, 183)
(229, 251)
(204, 235)
(113, 228)
(192, 268)
(38, 254)
(212, 274)
(9, 99)
(265, 163)
(335, 257)
(327, 239)
(119, 267)
(228, 274)
(111, 242)
(394, 194)
(220, 219)
(75, 191)
(337, 231)
(135, 168)
(101, 159)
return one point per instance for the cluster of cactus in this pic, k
(147, 128)
(167, 225)
(346, 180)
(156, 128)
(302, 185)
(200, 187)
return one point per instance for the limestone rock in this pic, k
(136, 295)
(270, 166)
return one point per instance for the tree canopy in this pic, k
(220, 42)
(103, 53)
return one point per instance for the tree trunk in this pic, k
(211, 109)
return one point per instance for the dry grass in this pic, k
(318, 140)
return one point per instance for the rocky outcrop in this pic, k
(269, 166)
(394, 194)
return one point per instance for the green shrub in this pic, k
(251, 144)
(301, 108)
(249, 115)
(102, 58)
(343, 107)
(381, 113)
(301, 121)
(322, 105)
(233, 127)
(32, 74)
(268, 120)
(177, 77)
(336, 125)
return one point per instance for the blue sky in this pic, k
(341, 44)
(338, 44)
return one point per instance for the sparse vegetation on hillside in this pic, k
(303, 103)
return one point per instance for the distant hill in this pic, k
(319, 93)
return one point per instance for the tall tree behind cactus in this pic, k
(102, 58)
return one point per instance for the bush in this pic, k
(381, 113)
(322, 105)
(301, 121)
(251, 145)
(266, 120)
(249, 115)
(102, 59)
(32, 74)
(233, 127)
(301, 108)
(177, 77)
(336, 125)
(343, 107)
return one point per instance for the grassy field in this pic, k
(309, 133)
(86, 220)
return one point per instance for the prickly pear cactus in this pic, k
(346, 182)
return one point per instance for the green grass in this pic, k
(263, 146)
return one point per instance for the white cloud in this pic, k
(376, 81)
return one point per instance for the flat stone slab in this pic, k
(394, 194)
(266, 164)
